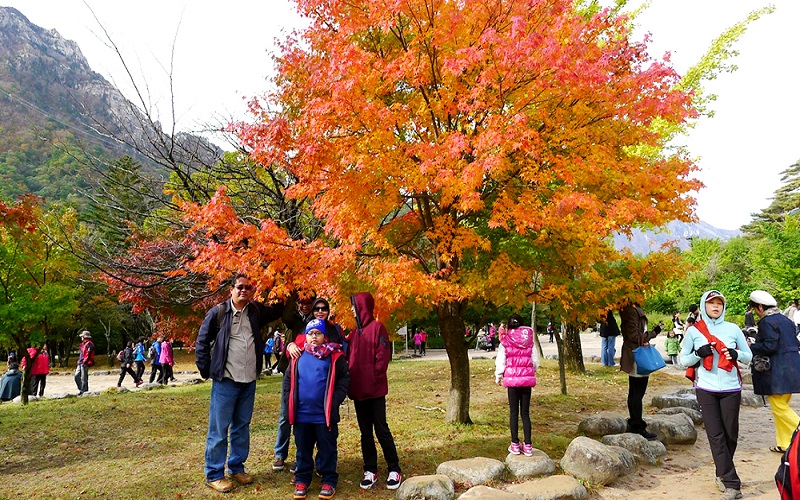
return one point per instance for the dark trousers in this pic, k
(267, 359)
(166, 376)
(139, 369)
(422, 348)
(123, 371)
(305, 437)
(37, 384)
(371, 414)
(721, 420)
(637, 386)
(157, 369)
(519, 402)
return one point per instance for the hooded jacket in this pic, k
(336, 384)
(716, 379)
(517, 360)
(776, 339)
(369, 353)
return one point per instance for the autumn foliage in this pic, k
(453, 149)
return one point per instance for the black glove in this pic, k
(733, 354)
(704, 351)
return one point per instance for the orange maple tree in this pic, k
(455, 148)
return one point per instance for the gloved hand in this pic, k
(704, 351)
(732, 353)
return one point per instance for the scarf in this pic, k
(324, 350)
(708, 363)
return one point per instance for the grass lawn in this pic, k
(150, 444)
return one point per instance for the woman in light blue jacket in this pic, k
(718, 384)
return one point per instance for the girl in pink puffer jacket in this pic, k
(515, 368)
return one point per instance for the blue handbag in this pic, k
(647, 359)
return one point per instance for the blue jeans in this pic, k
(231, 409)
(82, 378)
(608, 350)
(284, 428)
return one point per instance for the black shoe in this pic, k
(293, 468)
(650, 436)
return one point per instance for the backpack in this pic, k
(787, 477)
(120, 354)
(151, 353)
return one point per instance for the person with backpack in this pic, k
(712, 346)
(228, 351)
(154, 353)
(85, 360)
(776, 340)
(139, 357)
(126, 361)
(609, 331)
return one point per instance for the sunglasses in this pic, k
(320, 309)
(243, 287)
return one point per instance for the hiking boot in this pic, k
(527, 450)
(278, 464)
(370, 478)
(393, 482)
(327, 492)
(242, 477)
(514, 449)
(731, 494)
(300, 492)
(221, 485)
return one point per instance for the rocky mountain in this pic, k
(643, 242)
(52, 104)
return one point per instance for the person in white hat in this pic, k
(777, 341)
(85, 360)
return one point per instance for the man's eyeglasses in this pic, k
(317, 309)
(243, 287)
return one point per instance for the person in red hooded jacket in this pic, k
(369, 356)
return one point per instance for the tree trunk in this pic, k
(451, 324)
(535, 333)
(562, 374)
(573, 354)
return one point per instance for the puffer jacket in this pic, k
(716, 379)
(517, 359)
(776, 339)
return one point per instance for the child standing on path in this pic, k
(322, 372)
(672, 345)
(515, 368)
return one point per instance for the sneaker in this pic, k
(720, 484)
(370, 478)
(300, 491)
(327, 492)
(527, 450)
(731, 494)
(514, 449)
(293, 468)
(393, 482)
(278, 464)
(138, 383)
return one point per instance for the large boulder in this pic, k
(434, 487)
(596, 463)
(523, 467)
(473, 471)
(696, 416)
(486, 493)
(672, 429)
(551, 488)
(749, 398)
(602, 425)
(645, 451)
(675, 399)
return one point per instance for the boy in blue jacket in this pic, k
(322, 372)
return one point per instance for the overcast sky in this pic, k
(222, 56)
